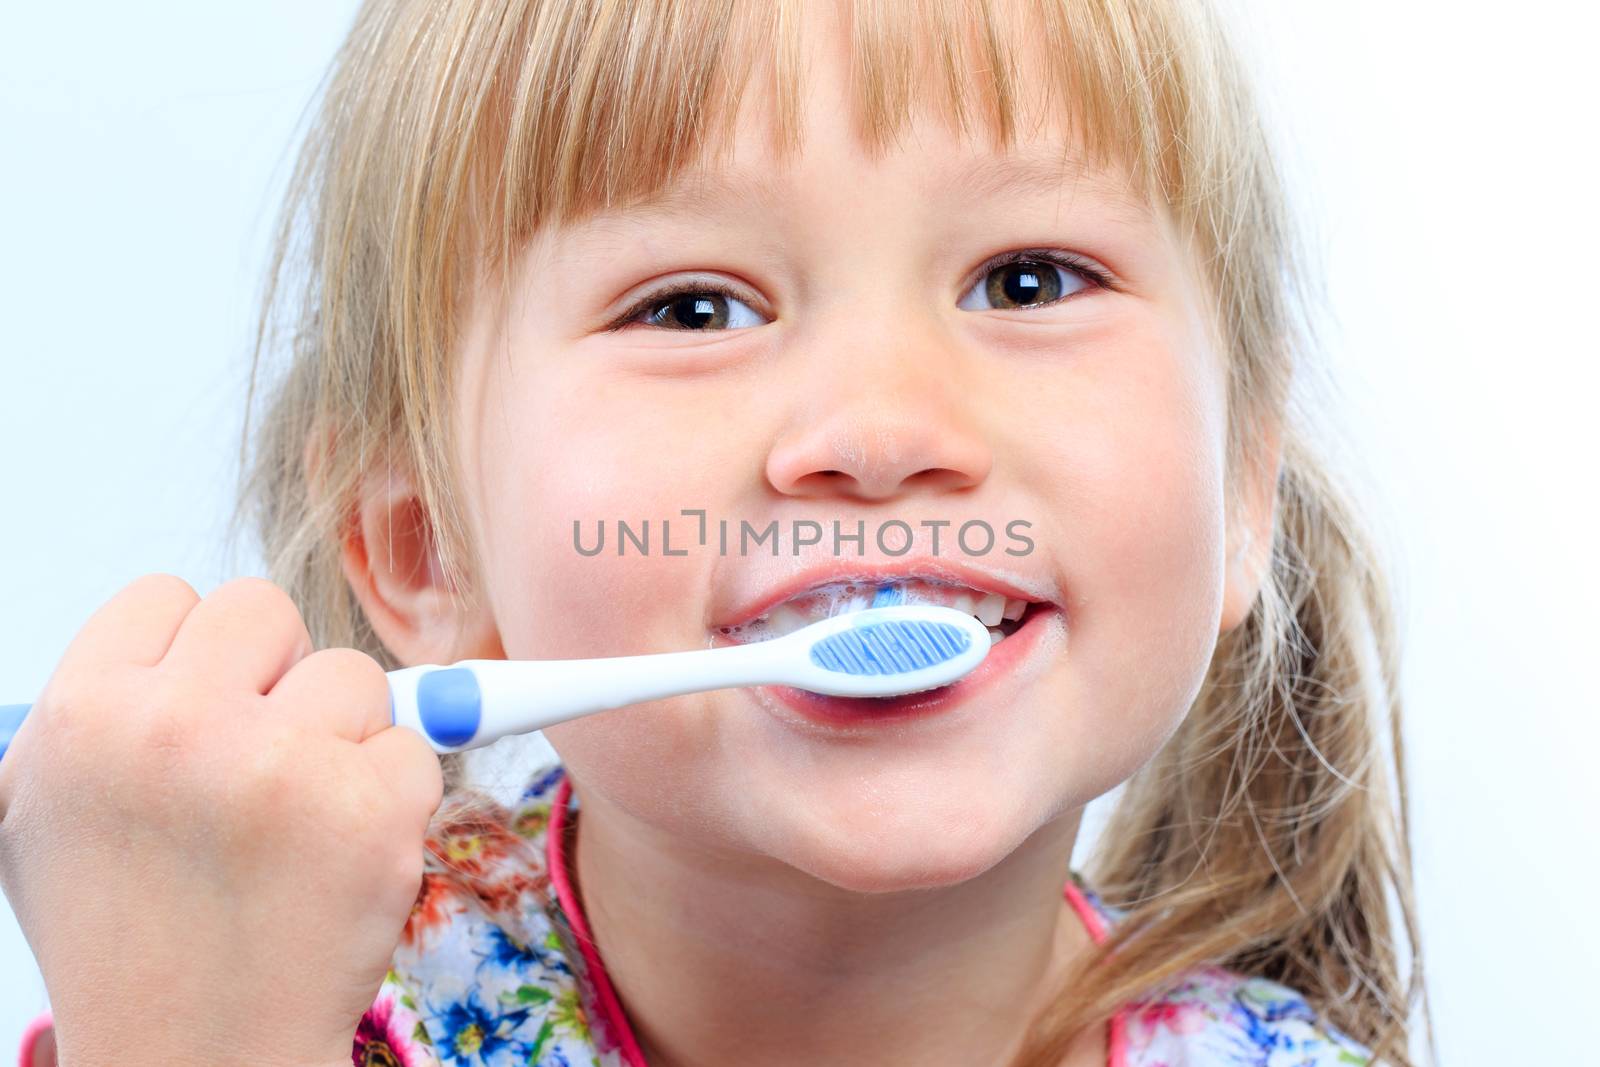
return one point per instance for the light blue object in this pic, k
(888, 596)
(450, 705)
(890, 647)
(875, 652)
(11, 716)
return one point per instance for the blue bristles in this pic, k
(889, 595)
(889, 647)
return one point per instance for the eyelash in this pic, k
(1098, 279)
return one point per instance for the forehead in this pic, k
(762, 182)
(965, 105)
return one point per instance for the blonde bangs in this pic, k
(593, 105)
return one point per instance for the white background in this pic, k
(1442, 152)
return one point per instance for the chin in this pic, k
(900, 869)
(887, 850)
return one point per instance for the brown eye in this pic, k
(697, 308)
(1024, 282)
(697, 311)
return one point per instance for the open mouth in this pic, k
(1000, 614)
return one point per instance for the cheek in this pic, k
(553, 444)
(601, 461)
(1149, 627)
(1135, 473)
(565, 452)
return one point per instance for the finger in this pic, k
(246, 631)
(342, 691)
(136, 626)
(405, 759)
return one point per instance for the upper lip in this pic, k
(904, 569)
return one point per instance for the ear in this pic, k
(390, 558)
(1250, 531)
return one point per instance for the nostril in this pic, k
(826, 483)
(940, 478)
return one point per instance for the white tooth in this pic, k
(990, 609)
(995, 637)
(1015, 608)
(785, 619)
(964, 602)
(844, 605)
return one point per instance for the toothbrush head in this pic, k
(889, 651)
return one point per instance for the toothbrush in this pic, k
(874, 652)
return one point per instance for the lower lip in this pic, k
(858, 711)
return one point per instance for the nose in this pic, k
(880, 420)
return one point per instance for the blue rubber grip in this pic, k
(11, 716)
(889, 647)
(450, 705)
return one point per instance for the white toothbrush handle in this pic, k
(474, 702)
(870, 653)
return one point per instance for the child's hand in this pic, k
(211, 835)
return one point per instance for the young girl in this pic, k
(878, 275)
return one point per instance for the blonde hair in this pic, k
(1268, 836)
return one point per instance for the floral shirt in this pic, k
(496, 967)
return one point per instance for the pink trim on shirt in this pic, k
(30, 1039)
(617, 1023)
(1117, 1039)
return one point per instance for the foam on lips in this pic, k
(999, 613)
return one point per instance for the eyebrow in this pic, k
(1033, 174)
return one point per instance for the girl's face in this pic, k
(873, 362)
